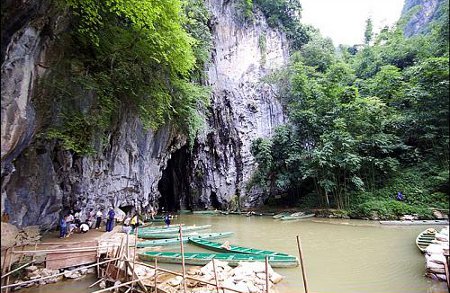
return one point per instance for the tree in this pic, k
(368, 32)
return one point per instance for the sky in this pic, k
(344, 21)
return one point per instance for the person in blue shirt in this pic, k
(110, 220)
(167, 220)
(63, 227)
(400, 196)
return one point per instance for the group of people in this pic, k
(76, 222)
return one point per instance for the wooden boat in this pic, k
(168, 235)
(280, 215)
(287, 218)
(207, 212)
(425, 238)
(170, 230)
(415, 222)
(154, 220)
(233, 259)
(216, 246)
(173, 241)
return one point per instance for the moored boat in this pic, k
(415, 222)
(280, 215)
(170, 230)
(233, 259)
(173, 241)
(287, 218)
(425, 238)
(206, 212)
(216, 246)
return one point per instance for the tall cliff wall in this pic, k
(420, 21)
(243, 108)
(137, 166)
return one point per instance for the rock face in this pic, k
(243, 108)
(40, 181)
(419, 23)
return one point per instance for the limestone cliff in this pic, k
(138, 167)
(243, 108)
(427, 11)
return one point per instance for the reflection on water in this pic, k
(341, 256)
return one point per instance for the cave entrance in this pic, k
(174, 183)
(215, 201)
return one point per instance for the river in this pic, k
(341, 256)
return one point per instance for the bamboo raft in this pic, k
(233, 259)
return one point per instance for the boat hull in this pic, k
(174, 241)
(215, 246)
(233, 259)
(288, 218)
(424, 239)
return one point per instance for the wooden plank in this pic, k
(61, 260)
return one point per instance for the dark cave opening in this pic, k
(174, 183)
(215, 201)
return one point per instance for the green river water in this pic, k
(341, 256)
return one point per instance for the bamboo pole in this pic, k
(447, 275)
(156, 275)
(15, 270)
(134, 251)
(190, 278)
(96, 282)
(5, 263)
(98, 259)
(266, 263)
(9, 269)
(52, 276)
(215, 275)
(137, 277)
(182, 260)
(123, 284)
(56, 250)
(305, 283)
(127, 255)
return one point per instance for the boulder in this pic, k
(9, 233)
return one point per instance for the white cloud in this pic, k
(344, 21)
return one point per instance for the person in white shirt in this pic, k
(99, 216)
(84, 228)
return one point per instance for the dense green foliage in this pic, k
(137, 56)
(363, 125)
(283, 14)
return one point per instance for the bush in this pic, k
(388, 210)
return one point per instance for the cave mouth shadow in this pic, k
(174, 182)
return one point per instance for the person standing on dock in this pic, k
(134, 222)
(63, 227)
(110, 221)
(167, 220)
(99, 216)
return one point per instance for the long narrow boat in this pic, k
(216, 246)
(168, 235)
(280, 215)
(415, 222)
(233, 259)
(147, 233)
(425, 238)
(207, 212)
(287, 218)
(173, 241)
